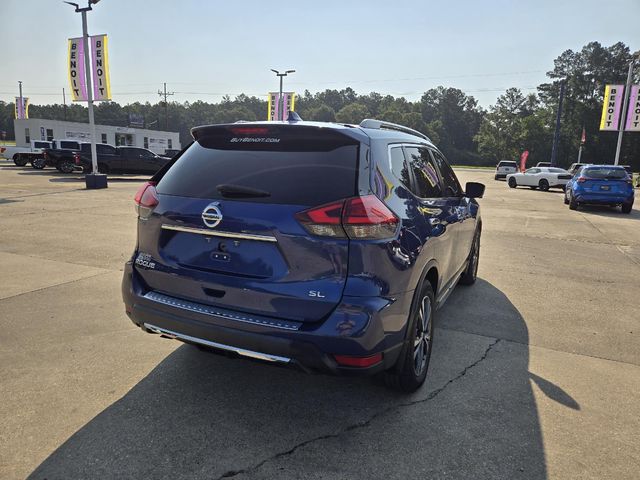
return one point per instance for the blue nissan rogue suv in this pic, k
(320, 245)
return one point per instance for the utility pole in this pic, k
(625, 105)
(280, 99)
(166, 105)
(64, 104)
(556, 135)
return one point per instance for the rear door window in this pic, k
(426, 182)
(294, 165)
(450, 181)
(605, 173)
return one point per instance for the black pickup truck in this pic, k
(110, 159)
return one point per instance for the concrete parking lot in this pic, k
(535, 373)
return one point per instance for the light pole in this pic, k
(91, 180)
(625, 104)
(280, 99)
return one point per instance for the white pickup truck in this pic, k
(23, 155)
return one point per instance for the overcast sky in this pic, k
(205, 49)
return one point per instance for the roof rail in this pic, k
(381, 125)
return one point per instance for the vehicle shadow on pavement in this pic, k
(197, 414)
(603, 211)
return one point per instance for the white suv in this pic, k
(504, 168)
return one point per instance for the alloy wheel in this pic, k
(422, 342)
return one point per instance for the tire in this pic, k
(496, 177)
(627, 207)
(18, 160)
(543, 184)
(66, 167)
(566, 200)
(471, 272)
(573, 205)
(410, 372)
(512, 182)
(38, 163)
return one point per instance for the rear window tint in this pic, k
(604, 172)
(296, 167)
(507, 164)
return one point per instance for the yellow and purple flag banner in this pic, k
(77, 75)
(274, 107)
(633, 114)
(613, 98)
(22, 107)
(100, 68)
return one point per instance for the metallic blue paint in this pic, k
(366, 288)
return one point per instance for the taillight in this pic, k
(581, 179)
(359, 218)
(368, 218)
(324, 221)
(76, 158)
(146, 199)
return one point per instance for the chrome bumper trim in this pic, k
(217, 233)
(207, 310)
(240, 351)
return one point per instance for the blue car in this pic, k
(600, 185)
(324, 246)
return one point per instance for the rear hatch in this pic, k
(224, 232)
(605, 181)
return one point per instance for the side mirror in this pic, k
(474, 190)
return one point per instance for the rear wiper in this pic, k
(238, 191)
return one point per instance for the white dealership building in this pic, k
(157, 141)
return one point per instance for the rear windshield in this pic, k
(297, 167)
(507, 164)
(604, 172)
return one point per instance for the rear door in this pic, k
(461, 208)
(224, 232)
(439, 209)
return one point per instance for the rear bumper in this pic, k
(603, 199)
(359, 326)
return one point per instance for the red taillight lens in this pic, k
(359, 362)
(76, 158)
(324, 220)
(359, 218)
(146, 199)
(368, 218)
(581, 179)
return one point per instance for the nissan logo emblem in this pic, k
(212, 216)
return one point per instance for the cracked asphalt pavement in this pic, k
(535, 372)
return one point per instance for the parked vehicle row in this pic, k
(110, 159)
(583, 184)
(69, 156)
